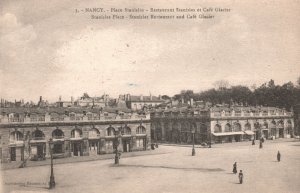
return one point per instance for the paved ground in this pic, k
(175, 171)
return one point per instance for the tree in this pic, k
(221, 84)
(165, 97)
(85, 95)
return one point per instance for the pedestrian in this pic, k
(278, 156)
(234, 168)
(241, 176)
(253, 142)
(260, 144)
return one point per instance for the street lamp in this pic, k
(193, 150)
(117, 154)
(52, 181)
(209, 144)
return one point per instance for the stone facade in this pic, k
(221, 124)
(77, 135)
(180, 125)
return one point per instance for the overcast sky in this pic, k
(48, 50)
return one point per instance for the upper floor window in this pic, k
(141, 130)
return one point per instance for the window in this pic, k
(217, 129)
(236, 127)
(141, 130)
(227, 127)
(94, 133)
(109, 145)
(16, 136)
(139, 142)
(126, 131)
(58, 134)
(247, 126)
(76, 133)
(110, 131)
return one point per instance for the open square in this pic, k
(173, 170)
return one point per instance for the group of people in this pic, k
(241, 175)
(261, 141)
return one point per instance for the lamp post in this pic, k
(209, 144)
(52, 180)
(117, 154)
(193, 150)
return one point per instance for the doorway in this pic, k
(13, 154)
(126, 146)
(281, 133)
(77, 149)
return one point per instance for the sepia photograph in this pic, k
(162, 96)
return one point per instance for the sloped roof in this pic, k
(145, 99)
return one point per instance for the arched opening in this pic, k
(126, 139)
(237, 127)
(38, 135)
(280, 126)
(76, 133)
(126, 131)
(247, 126)
(227, 127)
(289, 128)
(110, 131)
(141, 130)
(94, 133)
(38, 148)
(16, 136)
(217, 128)
(57, 134)
(94, 144)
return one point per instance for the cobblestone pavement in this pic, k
(175, 170)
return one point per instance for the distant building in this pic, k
(85, 101)
(139, 102)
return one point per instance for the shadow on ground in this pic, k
(174, 168)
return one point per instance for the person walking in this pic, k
(278, 156)
(253, 142)
(241, 176)
(260, 144)
(234, 168)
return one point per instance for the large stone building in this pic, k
(221, 124)
(25, 132)
(178, 125)
(246, 123)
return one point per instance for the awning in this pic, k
(248, 132)
(228, 133)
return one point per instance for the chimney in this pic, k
(72, 99)
(41, 98)
(128, 97)
(150, 97)
(59, 98)
(141, 97)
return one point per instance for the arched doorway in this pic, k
(58, 142)
(76, 142)
(94, 141)
(38, 145)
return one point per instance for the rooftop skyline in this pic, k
(47, 50)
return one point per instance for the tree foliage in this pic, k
(268, 94)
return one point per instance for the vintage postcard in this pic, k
(166, 96)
